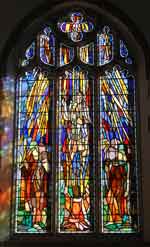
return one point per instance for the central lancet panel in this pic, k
(75, 145)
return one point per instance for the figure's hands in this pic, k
(79, 121)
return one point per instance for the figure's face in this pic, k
(35, 154)
(43, 152)
(112, 153)
(114, 144)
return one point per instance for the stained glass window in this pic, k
(124, 52)
(75, 141)
(29, 54)
(87, 54)
(118, 153)
(47, 47)
(76, 27)
(66, 54)
(105, 46)
(34, 99)
(75, 146)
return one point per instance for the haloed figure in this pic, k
(117, 180)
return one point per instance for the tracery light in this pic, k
(76, 28)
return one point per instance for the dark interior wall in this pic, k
(11, 14)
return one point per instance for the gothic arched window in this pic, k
(75, 148)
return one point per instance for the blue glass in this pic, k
(105, 46)
(123, 49)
